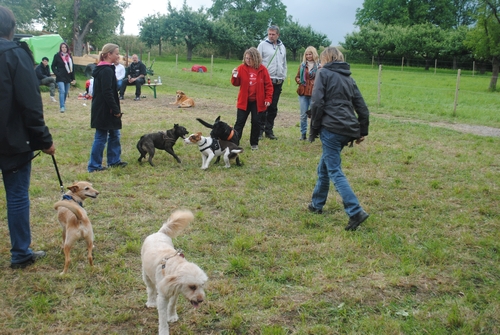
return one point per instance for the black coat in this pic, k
(60, 71)
(42, 72)
(336, 100)
(105, 102)
(22, 127)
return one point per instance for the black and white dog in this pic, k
(224, 132)
(160, 140)
(210, 148)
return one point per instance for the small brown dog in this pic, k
(182, 101)
(74, 220)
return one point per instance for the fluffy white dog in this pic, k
(167, 273)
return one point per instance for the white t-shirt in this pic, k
(119, 71)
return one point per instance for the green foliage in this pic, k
(298, 37)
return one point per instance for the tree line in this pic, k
(432, 29)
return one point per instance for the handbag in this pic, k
(301, 90)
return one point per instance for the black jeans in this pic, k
(267, 118)
(138, 83)
(241, 119)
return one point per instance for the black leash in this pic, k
(58, 175)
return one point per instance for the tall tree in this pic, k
(25, 11)
(188, 27)
(297, 37)
(251, 17)
(484, 39)
(152, 30)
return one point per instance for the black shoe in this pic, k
(303, 137)
(99, 170)
(314, 210)
(36, 255)
(356, 220)
(271, 137)
(121, 164)
(137, 99)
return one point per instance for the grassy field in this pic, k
(425, 262)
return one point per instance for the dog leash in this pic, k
(58, 175)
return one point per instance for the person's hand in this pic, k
(313, 134)
(267, 103)
(235, 72)
(118, 115)
(73, 83)
(359, 140)
(50, 151)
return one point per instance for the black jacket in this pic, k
(42, 72)
(336, 100)
(60, 71)
(136, 69)
(22, 127)
(105, 102)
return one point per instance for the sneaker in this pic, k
(121, 164)
(303, 137)
(62, 110)
(314, 210)
(35, 256)
(103, 168)
(53, 99)
(271, 137)
(255, 147)
(121, 97)
(137, 98)
(356, 220)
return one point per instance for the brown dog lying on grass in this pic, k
(182, 101)
(160, 140)
(74, 220)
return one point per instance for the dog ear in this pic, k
(169, 285)
(217, 119)
(73, 188)
(176, 125)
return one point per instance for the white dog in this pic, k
(211, 148)
(167, 273)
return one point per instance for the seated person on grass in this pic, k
(43, 75)
(136, 76)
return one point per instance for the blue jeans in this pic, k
(63, 92)
(329, 168)
(101, 137)
(16, 186)
(119, 83)
(304, 102)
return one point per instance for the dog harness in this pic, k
(214, 146)
(178, 252)
(70, 198)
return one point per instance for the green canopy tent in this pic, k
(43, 46)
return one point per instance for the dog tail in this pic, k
(176, 223)
(73, 207)
(206, 124)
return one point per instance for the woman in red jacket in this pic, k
(255, 95)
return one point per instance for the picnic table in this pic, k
(153, 87)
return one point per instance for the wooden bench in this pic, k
(153, 87)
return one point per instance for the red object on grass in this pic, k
(199, 68)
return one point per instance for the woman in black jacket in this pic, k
(339, 115)
(62, 66)
(106, 113)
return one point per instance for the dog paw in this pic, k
(172, 318)
(151, 304)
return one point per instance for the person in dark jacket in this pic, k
(305, 79)
(336, 100)
(255, 95)
(43, 74)
(136, 76)
(62, 66)
(105, 112)
(22, 130)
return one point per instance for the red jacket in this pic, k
(264, 87)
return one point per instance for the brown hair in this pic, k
(314, 52)
(254, 55)
(7, 23)
(331, 54)
(67, 47)
(107, 49)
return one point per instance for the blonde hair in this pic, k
(107, 49)
(254, 55)
(331, 54)
(314, 52)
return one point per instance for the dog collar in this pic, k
(230, 135)
(70, 198)
(178, 252)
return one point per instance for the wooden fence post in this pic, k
(435, 65)
(402, 63)
(456, 94)
(379, 83)
(473, 67)
(176, 60)
(212, 67)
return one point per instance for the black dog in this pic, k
(160, 140)
(224, 132)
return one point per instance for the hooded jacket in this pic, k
(274, 58)
(336, 100)
(105, 102)
(264, 89)
(22, 126)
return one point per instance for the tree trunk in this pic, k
(427, 66)
(454, 62)
(189, 53)
(78, 37)
(494, 74)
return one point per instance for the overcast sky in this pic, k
(334, 18)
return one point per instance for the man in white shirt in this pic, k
(120, 73)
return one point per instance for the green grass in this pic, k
(426, 261)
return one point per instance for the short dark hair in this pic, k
(45, 58)
(7, 22)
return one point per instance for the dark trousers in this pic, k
(267, 118)
(138, 83)
(241, 119)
